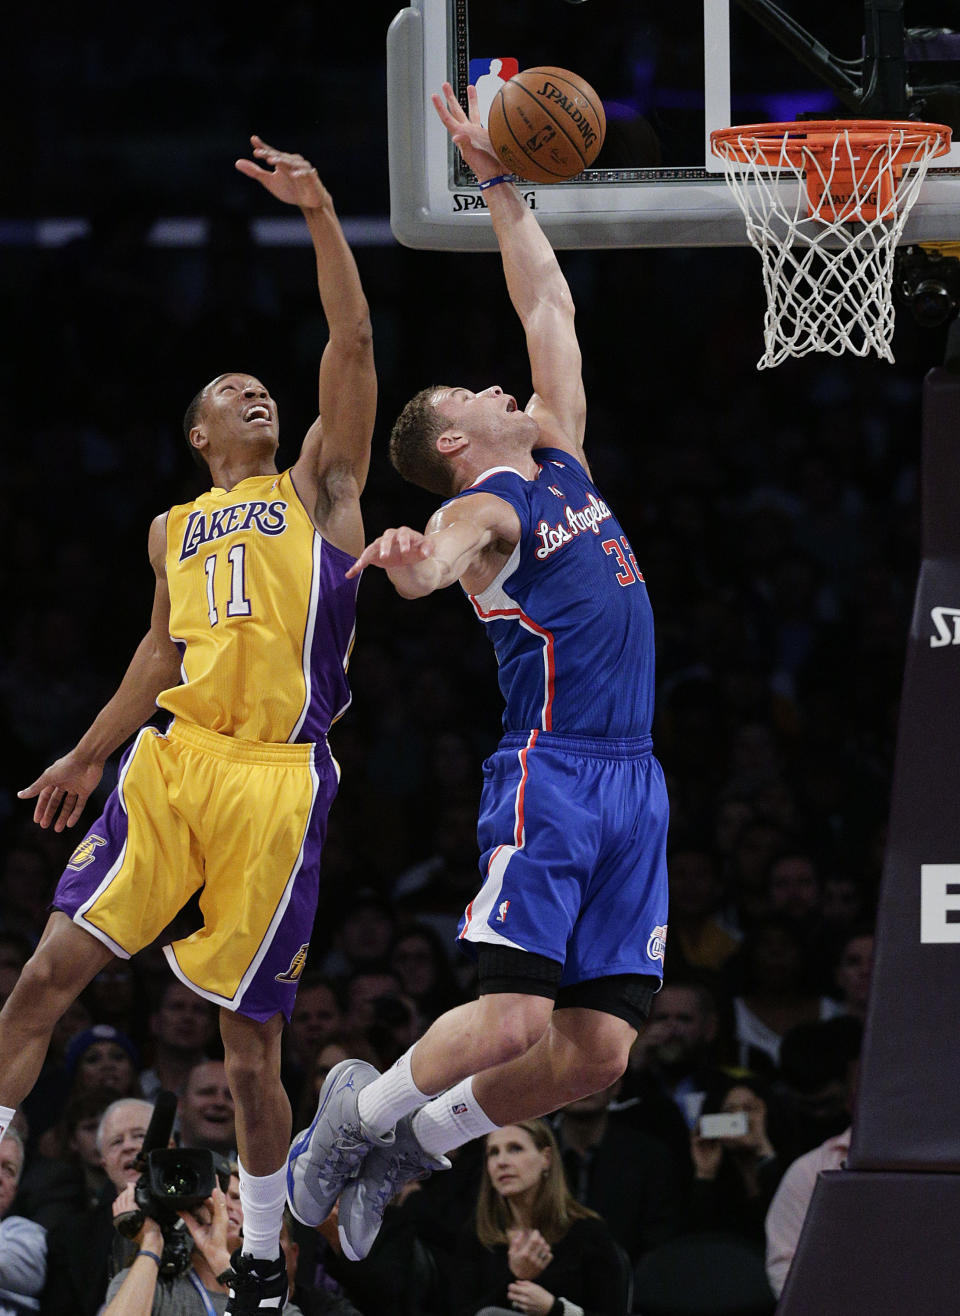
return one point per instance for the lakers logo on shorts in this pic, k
(296, 966)
(657, 943)
(85, 852)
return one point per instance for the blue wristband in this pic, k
(500, 178)
(152, 1255)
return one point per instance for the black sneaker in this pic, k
(257, 1285)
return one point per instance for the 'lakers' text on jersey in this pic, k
(568, 615)
(261, 613)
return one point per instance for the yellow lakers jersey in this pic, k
(261, 612)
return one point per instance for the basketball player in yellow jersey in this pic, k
(247, 650)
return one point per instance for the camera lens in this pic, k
(181, 1181)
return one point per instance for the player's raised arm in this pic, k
(535, 282)
(332, 468)
(64, 788)
(452, 547)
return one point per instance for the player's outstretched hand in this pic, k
(402, 547)
(290, 178)
(63, 790)
(467, 132)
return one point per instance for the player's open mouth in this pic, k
(256, 412)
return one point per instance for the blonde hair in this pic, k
(554, 1207)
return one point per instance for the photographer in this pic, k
(85, 1250)
(197, 1291)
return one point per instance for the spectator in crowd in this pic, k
(54, 1189)
(45, 1103)
(182, 1029)
(756, 844)
(115, 996)
(735, 1176)
(341, 1046)
(626, 1176)
(788, 1210)
(818, 1068)
(361, 991)
(775, 993)
(23, 1243)
(852, 971)
(86, 1251)
(437, 889)
(532, 1243)
(103, 1057)
(317, 1017)
(699, 941)
(675, 1055)
(420, 960)
(362, 937)
(100, 1058)
(205, 1111)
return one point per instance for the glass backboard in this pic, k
(668, 75)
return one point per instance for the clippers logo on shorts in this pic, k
(204, 527)
(657, 943)
(296, 966)
(948, 632)
(460, 1108)
(85, 852)
(502, 911)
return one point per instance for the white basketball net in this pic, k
(828, 275)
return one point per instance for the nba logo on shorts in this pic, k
(459, 1109)
(657, 943)
(85, 852)
(502, 911)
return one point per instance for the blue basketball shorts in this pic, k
(573, 834)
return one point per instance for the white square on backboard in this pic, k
(939, 896)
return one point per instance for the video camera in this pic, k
(172, 1179)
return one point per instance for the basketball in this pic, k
(546, 124)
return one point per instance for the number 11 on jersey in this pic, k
(238, 605)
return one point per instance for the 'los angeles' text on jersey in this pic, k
(568, 615)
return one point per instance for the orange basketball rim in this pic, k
(852, 166)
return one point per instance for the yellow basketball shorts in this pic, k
(241, 822)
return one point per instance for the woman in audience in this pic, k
(532, 1247)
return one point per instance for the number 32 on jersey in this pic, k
(628, 573)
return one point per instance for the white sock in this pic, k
(263, 1198)
(450, 1120)
(389, 1097)
(6, 1118)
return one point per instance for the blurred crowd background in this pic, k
(774, 515)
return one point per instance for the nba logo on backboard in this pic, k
(502, 911)
(657, 943)
(488, 76)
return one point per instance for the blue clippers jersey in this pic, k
(569, 614)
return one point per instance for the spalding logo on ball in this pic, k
(546, 124)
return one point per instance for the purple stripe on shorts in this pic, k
(100, 851)
(274, 985)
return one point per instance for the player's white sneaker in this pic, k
(383, 1173)
(323, 1157)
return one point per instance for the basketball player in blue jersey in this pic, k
(252, 625)
(569, 924)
